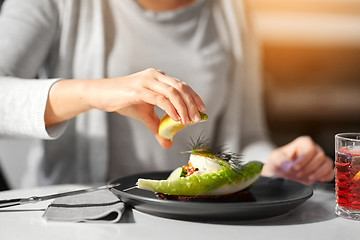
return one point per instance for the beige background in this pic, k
(311, 66)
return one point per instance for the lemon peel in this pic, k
(169, 127)
(357, 176)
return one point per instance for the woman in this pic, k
(127, 48)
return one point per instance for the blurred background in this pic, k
(310, 68)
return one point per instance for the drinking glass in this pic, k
(347, 175)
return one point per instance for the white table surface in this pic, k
(315, 219)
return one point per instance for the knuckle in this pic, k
(172, 91)
(150, 71)
(193, 108)
(161, 99)
(322, 155)
(304, 139)
(111, 108)
(274, 158)
(182, 86)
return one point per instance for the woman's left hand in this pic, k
(301, 160)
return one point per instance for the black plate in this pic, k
(273, 197)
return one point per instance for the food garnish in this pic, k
(207, 174)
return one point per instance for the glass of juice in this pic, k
(347, 175)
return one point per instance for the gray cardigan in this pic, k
(34, 43)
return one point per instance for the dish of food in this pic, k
(208, 176)
(215, 185)
(211, 187)
(270, 197)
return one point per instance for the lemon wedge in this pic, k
(168, 127)
(357, 176)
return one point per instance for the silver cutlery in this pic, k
(35, 199)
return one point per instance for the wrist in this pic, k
(67, 99)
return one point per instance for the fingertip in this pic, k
(328, 177)
(196, 118)
(202, 107)
(185, 120)
(198, 101)
(165, 143)
(175, 117)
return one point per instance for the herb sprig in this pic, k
(200, 145)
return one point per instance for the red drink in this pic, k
(347, 170)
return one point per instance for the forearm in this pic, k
(67, 99)
(134, 95)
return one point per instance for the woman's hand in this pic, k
(134, 95)
(301, 160)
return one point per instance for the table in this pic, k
(315, 219)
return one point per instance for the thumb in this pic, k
(165, 143)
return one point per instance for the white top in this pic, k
(201, 45)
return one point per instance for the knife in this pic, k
(35, 199)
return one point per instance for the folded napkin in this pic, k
(99, 206)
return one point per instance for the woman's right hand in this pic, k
(134, 95)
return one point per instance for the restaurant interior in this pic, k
(310, 67)
(310, 53)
